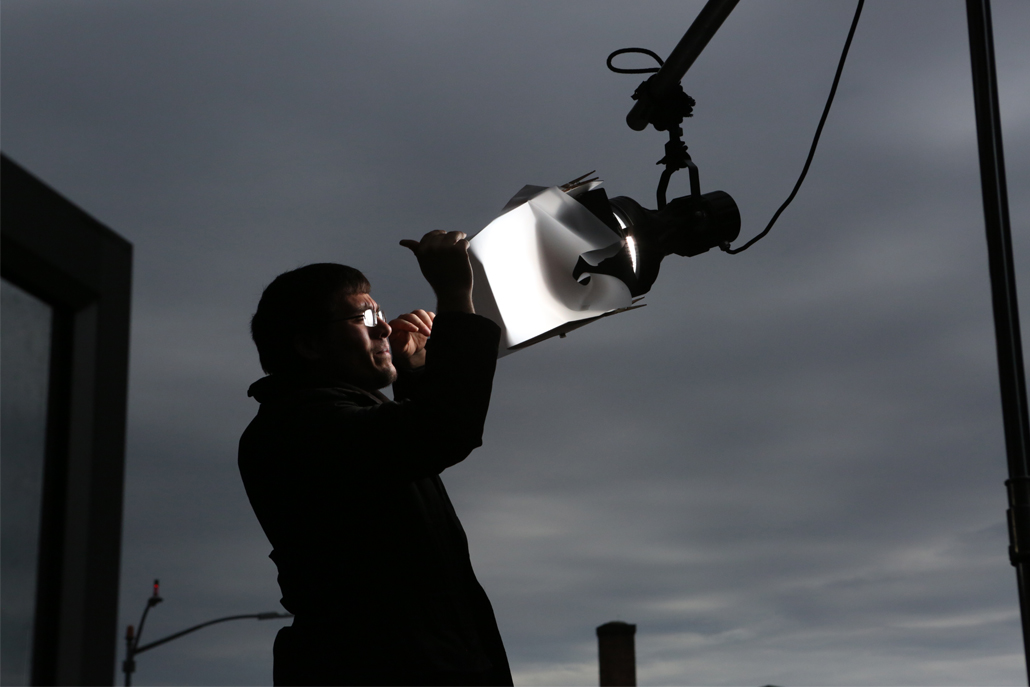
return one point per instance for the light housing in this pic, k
(687, 226)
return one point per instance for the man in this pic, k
(372, 559)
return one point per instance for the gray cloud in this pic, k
(786, 469)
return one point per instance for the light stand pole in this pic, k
(1003, 297)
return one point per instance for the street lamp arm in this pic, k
(259, 616)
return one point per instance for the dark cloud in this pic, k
(786, 469)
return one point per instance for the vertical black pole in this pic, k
(1003, 295)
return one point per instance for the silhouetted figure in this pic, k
(372, 558)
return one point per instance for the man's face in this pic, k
(347, 350)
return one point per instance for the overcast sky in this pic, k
(787, 469)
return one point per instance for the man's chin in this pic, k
(386, 376)
(367, 377)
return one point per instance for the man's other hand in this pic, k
(408, 338)
(444, 261)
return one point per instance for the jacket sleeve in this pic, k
(415, 437)
(408, 384)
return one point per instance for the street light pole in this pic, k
(132, 646)
(132, 638)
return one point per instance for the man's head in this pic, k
(309, 321)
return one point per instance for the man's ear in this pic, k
(307, 346)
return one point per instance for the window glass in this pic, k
(25, 325)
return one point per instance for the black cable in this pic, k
(642, 51)
(815, 141)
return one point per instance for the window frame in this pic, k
(83, 270)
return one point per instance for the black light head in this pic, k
(686, 226)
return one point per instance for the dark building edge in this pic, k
(60, 254)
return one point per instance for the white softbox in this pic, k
(523, 264)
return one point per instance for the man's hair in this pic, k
(295, 303)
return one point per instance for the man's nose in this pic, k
(382, 329)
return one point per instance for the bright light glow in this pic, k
(523, 263)
(630, 242)
(632, 245)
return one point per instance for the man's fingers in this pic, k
(436, 238)
(444, 260)
(424, 318)
(402, 325)
(417, 321)
(457, 239)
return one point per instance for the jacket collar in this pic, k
(278, 386)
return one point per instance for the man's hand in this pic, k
(444, 260)
(408, 339)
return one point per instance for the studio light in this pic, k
(560, 257)
(686, 226)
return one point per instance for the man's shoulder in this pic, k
(290, 410)
(296, 417)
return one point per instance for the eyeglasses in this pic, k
(369, 317)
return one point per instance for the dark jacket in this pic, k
(372, 558)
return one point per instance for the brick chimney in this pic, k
(617, 654)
